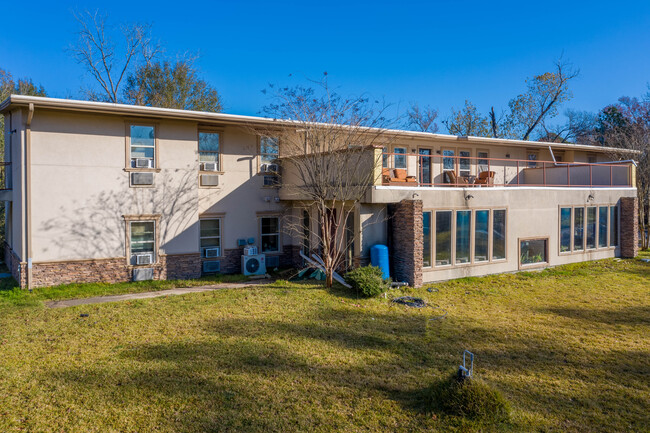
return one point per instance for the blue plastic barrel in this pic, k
(379, 257)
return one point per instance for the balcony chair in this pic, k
(396, 175)
(485, 178)
(454, 179)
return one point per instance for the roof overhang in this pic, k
(14, 101)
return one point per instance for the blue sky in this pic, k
(436, 53)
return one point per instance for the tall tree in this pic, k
(327, 158)
(580, 127)
(422, 119)
(541, 100)
(9, 86)
(163, 84)
(105, 60)
(468, 121)
(626, 125)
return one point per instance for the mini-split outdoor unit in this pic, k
(253, 265)
(209, 253)
(143, 163)
(250, 251)
(144, 259)
(211, 267)
(209, 166)
(142, 178)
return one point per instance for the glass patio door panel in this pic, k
(424, 167)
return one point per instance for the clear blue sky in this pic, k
(436, 53)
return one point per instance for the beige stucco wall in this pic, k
(80, 189)
(531, 212)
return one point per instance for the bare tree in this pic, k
(422, 119)
(580, 127)
(541, 100)
(330, 154)
(107, 62)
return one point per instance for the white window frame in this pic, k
(210, 152)
(132, 158)
(132, 242)
(218, 219)
(264, 156)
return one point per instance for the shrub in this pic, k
(470, 398)
(368, 281)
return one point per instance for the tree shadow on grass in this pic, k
(632, 316)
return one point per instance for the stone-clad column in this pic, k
(407, 242)
(629, 227)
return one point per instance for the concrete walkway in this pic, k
(156, 294)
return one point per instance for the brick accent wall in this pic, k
(629, 227)
(18, 270)
(182, 266)
(406, 242)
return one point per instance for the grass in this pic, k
(10, 294)
(567, 348)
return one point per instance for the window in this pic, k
(210, 236)
(613, 226)
(384, 157)
(426, 239)
(270, 234)
(443, 238)
(602, 226)
(565, 229)
(591, 227)
(532, 159)
(448, 160)
(578, 229)
(463, 226)
(483, 162)
(269, 149)
(464, 162)
(209, 148)
(142, 146)
(481, 235)
(498, 234)
(533, 251)
(400, 157)
(142, 239)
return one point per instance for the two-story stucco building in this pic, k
(97, 192)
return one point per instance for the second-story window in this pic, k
(269, 150)
(143, 146)
(209, 149)
(400, 157)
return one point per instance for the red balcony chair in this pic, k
(485, 178)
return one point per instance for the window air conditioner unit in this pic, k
(143, 163)
(270, 168)
(209, 180)
(144, 259)
(211, 267)
(209, 166)
(210, 253)
(141, 178)
(250, 251)
(253, 265)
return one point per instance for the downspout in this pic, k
(28, 193)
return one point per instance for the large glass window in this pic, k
(533, 251)
(448, 160)
(483, 162)
(613, 226)
(270, 232)
(463, 227)
(602, 226)
(426, 239)
(400, 157)
(464, 162)
(443, 238)
(578, 229)
(384, 157)
(481, 235)
(142, 237)
(424, 172)
(499, 234)
(143, 146)
(591, 227)
(210, 237)
(269, 149)
(209, 147)
(565, 229)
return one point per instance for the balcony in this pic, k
(443, 171)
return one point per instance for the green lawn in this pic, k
(568, 347)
